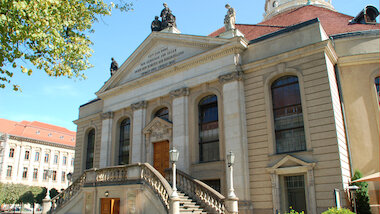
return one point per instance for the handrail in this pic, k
(140, 172)
(198, 191)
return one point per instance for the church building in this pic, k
(294, 98)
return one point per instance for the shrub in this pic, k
(362, 198)
(292, 211)
(334, 210)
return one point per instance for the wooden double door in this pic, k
(110, 205)
(161, 156)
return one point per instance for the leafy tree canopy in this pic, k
(53, 35)
(362, 197)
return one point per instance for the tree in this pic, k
(362, 198)
(53, 192)
(52, 35)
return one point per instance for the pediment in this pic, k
(290, 162)
(160, 51)
(158, 125)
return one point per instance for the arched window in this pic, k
(163, 113)
(90, 149)
(124, 141)
(287, 113)
(208, 129)
(377, 86)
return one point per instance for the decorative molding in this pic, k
(139, 105)
(107, 115)
(41, 142)
(236, 75)
(179, 92)
(158, 130)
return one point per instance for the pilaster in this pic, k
(138, 124)
(180, 127)
(105, 141)
(235, 133)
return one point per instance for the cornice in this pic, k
(107, 115)
(179, 92)
(286, 56)
(235, 46)
(139, 105)
(13, 137)
(233, 76)
(95, 116)
(358, 59)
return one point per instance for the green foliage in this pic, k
(19, 193)
(334, 210)
(53, 192)
(50, 34)
(362, 197)
(292, 211)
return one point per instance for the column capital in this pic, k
(107, 115)
(236, 75)
(179, 92)
(139, 105)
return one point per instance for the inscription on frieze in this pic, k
(158, 59)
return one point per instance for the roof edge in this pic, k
(356, 33)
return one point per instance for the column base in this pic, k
(232, 205)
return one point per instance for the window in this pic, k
(25, 172)
(35, 173)
(64, 160)
(63, 176)
(38, 132)
(163, 114)
(54, 175)
(9, 171)
(287, 114)
(72, 162)
(208, 129)
(90, 149)
(37, 156)
(215, 184)
(45, 175)
(124, 141)
(11, 152)
(294, 193)
(26, 155)
(55, 159)
(46, 158)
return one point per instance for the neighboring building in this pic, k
(30, 149)
(294, 97)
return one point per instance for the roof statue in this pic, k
(156, 24)
(114, 66)
(229, 19)
(168, 20)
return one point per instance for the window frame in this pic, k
(202, 107)
(46, 158)
(89, 162)
(26, 155)
(35, 173)
(122, 141)
(25, 173)
(158, 113)
(11, 152)
(37, 156)
(9, 171)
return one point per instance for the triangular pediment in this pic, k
(160, 51)
(157, 125)
(290, 162)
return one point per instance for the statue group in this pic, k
(229, 19)
(167, 20)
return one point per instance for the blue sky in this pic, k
(57, 100)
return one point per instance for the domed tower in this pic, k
(274, 7)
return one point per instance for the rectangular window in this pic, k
(37, 156)
(46, 158)
(55, 159)
(45, 175)
(64, 160)
(63, 176)
(294, 193)
(11, 152)
(9, 171)
(54, 177)
(25, 172)
(35, 173)
(72, 162)
(26, 155)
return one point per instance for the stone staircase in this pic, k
(187, 205)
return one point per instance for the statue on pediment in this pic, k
(168, 19)
(114, 66)
(229, 19)
(156, 24)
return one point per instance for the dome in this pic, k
(274, 7)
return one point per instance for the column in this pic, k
(180, 127)
(105, 141)
(235, 130)
(138, 124)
